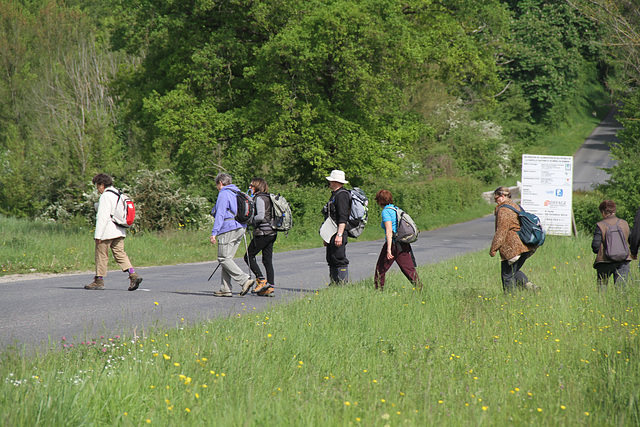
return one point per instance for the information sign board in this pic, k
(547, 190)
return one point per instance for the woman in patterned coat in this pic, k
(513, 252)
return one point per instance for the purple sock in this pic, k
(131, 270)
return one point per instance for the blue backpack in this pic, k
(531, 232)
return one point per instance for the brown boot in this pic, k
(134, 281)
(261, 284)
(96, 285)
(267, 292)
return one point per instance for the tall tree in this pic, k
(57, 115)
(293, 88)
(551, 44)
(620, 19)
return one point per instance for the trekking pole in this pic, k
(214, 272)
(246, 253)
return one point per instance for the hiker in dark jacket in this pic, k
(513, 252)
(604, 266)
(264, 236)
(338, 209)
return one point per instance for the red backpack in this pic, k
(125, 211)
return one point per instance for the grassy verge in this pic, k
(459, 353)
(42, 247)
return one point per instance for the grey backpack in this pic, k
(281, 217)
(359, 214)
(406, 230)
(616, 247)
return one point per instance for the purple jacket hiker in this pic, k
(224, 211)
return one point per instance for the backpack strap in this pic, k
(237, 193)
(333, 201)
(397, 211)
(117, 193)
(512, 208)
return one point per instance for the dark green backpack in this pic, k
(531, 232)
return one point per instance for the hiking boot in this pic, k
(134, 281)
(222, 294)
(96, 285)
(268, 292)
(247, 286)
(261, 284)
(531, 287)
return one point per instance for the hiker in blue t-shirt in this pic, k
(392, 250)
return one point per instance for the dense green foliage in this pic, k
(285, 89)
(624, 185)
(619, 22)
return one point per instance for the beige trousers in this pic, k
(102, 255)
(227, 246)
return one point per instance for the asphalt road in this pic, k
(37, 311)
(40, 311)
(593, 155)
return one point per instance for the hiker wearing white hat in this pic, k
(337, 176)
(337, 211)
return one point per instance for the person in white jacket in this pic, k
(108, 235)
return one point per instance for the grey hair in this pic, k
(224, 179)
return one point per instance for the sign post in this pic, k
(547, 191)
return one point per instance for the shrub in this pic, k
(162, 204)
(585, 209)
(428, 198)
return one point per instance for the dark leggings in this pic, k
(264, 244)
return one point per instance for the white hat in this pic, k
(337, 176)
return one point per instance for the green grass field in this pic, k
(457, 353)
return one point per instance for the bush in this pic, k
(421, 200)
(586, 213)
(162, 204)
(585, 210)
(428, 198)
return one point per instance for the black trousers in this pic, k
(619, 271)
(337, 260)
(262, 244)
(511, 274)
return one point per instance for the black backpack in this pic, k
(246, 207)
(616, 247)
(531, 232)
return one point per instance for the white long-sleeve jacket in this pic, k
(105, 228)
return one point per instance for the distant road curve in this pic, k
(593, 155)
